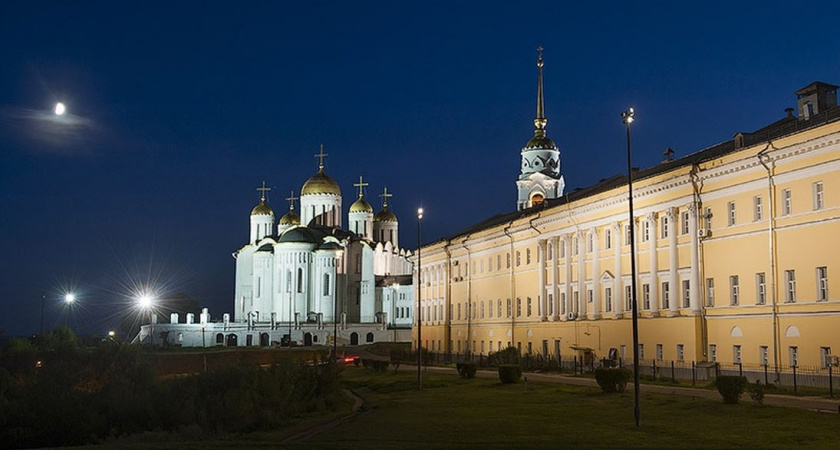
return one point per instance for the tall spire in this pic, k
(540, 121)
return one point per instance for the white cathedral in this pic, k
(306, 280)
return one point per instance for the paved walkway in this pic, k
(790, 401)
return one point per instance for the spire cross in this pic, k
(539, 53)
(291, 199)
(385, 195)
(540, 121)
(263, 190)
(321, 157)
(361, 184)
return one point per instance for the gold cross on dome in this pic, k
(291, 199)
(263, 190)
(385, 195)
(361, 184)
(321, 157)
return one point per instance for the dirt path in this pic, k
(790, 401)
(357, 412)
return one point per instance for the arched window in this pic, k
(326, 284)
(300, 280)
(289, 281)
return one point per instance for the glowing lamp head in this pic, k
(112, 333)
(419, 213)
(628, 116)
(145, 301)
(69, 298)
(60, 109)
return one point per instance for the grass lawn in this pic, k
(482, 413)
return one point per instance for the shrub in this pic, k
(380, 366)
(612, 379)
(731, 388)
(510, 373)
(509, 355)
(756, 392)
(466, 369)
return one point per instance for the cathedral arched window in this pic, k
(300, 280)
(288, 281)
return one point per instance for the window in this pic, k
(793, 356)
(710, 292)
(680, 352)
(563, 249)
(712, 352)
(563, 303)
(590, 242)
(707, 215)
(288, 281)
(758, 209)
(660, 352)
(529, 306)
(500, 308)
(646, 296)
(787, 202)
(508, 308)
(730, 213)
(663, 224)
(550, 304)
(790, 286)
(459, 311)
(818, 195)
(590, 296)
(763, 355)
(607, 238)
(259, 287)
(482, 310)
(666, 295)
(734, 290)
(822, 284)
(473, 310)
(518, 258)
(528, 256)
(736, 354)
(326, 284)
(575, 243)
(686, 293)
(825, 357)
(685, 220)
(498, 262)
(628, 297)
(760, 288)
(608, 299)
(299, 280)
(641, 351)
(628, 232)
(508, 261)
(645, 230)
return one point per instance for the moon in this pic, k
(60, 109)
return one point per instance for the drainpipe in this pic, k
(512, 287)
(447, 273)
(767, 162)
(470, 311)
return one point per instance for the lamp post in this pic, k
(419, 307)
(627, 117)
(69, 298)
(339, 254)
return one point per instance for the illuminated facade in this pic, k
(736, 257)
(305, 279)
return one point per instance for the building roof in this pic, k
(775, 130)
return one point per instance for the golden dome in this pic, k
(290, 218)
(385, 216)
(262, 210)
(540, 143)
(320, 183)
(361, 205)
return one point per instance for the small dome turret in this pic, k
(386, 215)
(361, 205)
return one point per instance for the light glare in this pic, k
(69, 298)
(145, 301)
(60, 109)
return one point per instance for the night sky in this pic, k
(177, 112)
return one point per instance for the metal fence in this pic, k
(822, 378)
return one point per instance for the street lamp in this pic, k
(60, 109)
(419, 296)
(628, 117)
(69, 298)
(145, 302)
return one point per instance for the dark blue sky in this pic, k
(178, 112)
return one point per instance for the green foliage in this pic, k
(756, 392)
(510, 373)
(397, 356)
(509, 355)
(612, 379)
(375, 364)
(731, 388)
(112, 390)
(466, 369)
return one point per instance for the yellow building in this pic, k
(735, 248)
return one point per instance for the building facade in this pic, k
(735, 254)
(306, 280)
